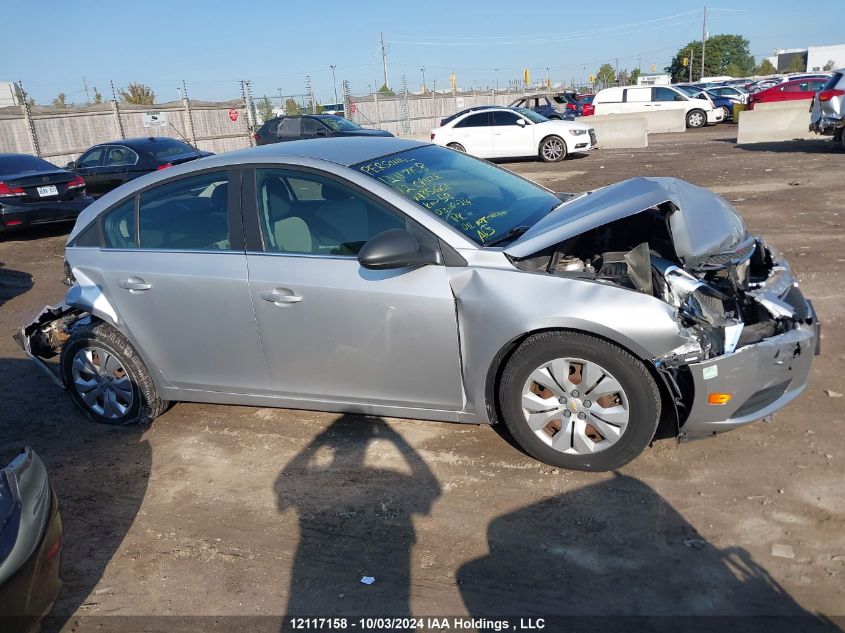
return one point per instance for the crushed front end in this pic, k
(750, 333)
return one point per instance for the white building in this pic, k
(8, 97)
(654, 79)
(814, 58)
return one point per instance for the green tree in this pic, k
(797, 65)
(765, 68)
(721, 51)
(605, 75)
(265, 108)
(98, 98)
(292, 107)
(830, 65)
(60, 101)
(734, 70)
(19, 96)
(137, 93)
(384, 90)
(635, 74)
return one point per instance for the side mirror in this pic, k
(71, 165)
(321, 133)
(520, 122)
(394, 248)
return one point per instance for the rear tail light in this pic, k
(256, 137)
(571, 106)
(10, 192)
(76, 183)
(432, 136)
(14, 222)
(54, 549)
(827, 95)
(165, 166)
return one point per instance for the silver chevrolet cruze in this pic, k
(392, 277)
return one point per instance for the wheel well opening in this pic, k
(668, 426)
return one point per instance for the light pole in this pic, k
(422, 70)
(334, 83)
(281, 105)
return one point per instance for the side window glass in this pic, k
(120, 156)
(502, 117)
(290, 127)
(187, 214)
(92, 158)
(310, 127)
(476, 120)
(310, 214)
(119, 225)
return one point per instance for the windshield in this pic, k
(339, 124)
(478, 199)
(530, 115)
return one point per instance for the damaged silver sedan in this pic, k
(391, 277)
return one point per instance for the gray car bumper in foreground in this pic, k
(763, 378)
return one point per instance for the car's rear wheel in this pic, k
(696, 118)
(552, 149)
(579, 402)
(457, 147)
(107, 379)
(726, 114)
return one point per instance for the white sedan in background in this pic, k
(514, 133)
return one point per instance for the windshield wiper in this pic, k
(511, 234)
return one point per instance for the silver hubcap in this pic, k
(695, 120)
(552, 149)
(457, 147)
(101, 381)
(575, 406)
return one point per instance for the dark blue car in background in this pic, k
(547, 106)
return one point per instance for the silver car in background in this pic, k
(392, 277)
(827, 110)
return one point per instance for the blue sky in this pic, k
(213, 44)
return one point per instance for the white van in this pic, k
(636, 99)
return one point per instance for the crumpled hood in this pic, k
(704, 223)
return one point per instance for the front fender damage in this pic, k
(42, 339)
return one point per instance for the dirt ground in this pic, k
(221, 510)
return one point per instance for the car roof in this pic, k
(340, 150)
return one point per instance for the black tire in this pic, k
(726, 113)
(639, 386)
(457, 147)
(146, 404)
(548, 156)
(696, 119)
(841, 137)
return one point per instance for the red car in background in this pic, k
(586, 101)
(794, 90)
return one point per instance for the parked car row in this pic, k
(34, 191)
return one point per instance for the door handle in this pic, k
(280, 296)
(135, 285)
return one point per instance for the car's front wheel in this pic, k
(578, 402)
(552, 149)
(726, 114)
(696, 118)
(107, 378)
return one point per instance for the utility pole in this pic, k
(703, 41)
(85, 84)
(334, 83)
(422, 70)
(384, 61)
(691, 62)
(281, 105)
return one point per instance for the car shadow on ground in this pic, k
(13, 283)
(355, 519)
(99, 474)
(817, 146)
(616, 549)
(38, 232)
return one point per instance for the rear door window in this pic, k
(482, 119)
(191, 213)
(290, 128)
(118, 155)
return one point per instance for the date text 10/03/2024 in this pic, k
(422, 624)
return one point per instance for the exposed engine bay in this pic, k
(726, 300)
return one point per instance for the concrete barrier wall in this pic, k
(780, 123)
(619, 131)
(783, 105)
(657, 122)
